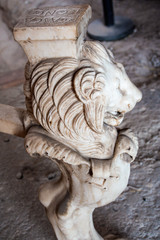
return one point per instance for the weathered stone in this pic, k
(53, 32)
(75, 97)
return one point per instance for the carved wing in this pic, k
(38, 143)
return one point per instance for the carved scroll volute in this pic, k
(76, 95)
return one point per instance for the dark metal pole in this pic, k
(112, 28)
(108, 13)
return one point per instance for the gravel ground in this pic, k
(135, 214)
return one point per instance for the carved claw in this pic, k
(127, 145)
(125, 150)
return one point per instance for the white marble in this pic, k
(52, 32)
(74, 105)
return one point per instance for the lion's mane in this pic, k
(66, 97)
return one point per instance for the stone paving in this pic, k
(135, 214)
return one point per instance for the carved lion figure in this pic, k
(80, 101)
(77, 104)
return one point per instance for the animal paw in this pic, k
(127, 144)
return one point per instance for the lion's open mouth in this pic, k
(113, 118)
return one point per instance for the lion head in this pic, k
(80, 101)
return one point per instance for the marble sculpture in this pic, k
(76, 96)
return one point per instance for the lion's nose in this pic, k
(139, 95)
(131, 97)
(134, 97)
(136, 94)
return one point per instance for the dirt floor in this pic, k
(136, 213)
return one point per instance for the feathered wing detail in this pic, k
(37, 142)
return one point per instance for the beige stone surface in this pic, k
(53, 32)
(53, 23)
